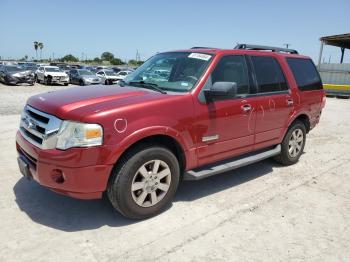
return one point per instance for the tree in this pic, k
(24, 58)
(107, 56)
(97, 60)
(41, 46)
(135, 63)
(116, 61)
(36, 46)
(69, 58)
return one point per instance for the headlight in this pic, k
(75, 134)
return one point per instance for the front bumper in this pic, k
(19, 80)
(59, 80)
(76, 173)
(91, 82)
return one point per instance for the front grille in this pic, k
(39, 128)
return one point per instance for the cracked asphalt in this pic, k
(262, 212)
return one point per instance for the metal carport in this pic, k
(342, 41)
(335, 76)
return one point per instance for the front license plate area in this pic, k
(24, 167)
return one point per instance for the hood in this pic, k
(56, 73)
(21, 73)
(78, 102)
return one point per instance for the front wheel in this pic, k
(293, 144)
(145, 182)
(47, 80)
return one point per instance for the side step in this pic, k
(230, 164)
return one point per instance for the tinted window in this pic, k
(232, 69)
(305, 74)
(268, 74)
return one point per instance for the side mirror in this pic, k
(221, 91)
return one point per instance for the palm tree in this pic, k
(41, 46)
(36, 46)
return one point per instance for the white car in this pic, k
(108, 77)
(51, 75)
(122, 74)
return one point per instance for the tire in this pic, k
(291, 148)
(47, 80)
(140, 203)
(66, 84)
(81, 83)
(106, 82)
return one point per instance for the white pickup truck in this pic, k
(51, 75)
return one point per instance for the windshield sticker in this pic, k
(184, 84)
(204, 57)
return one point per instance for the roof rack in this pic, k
(202, 47)
(270, 48)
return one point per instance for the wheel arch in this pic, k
(304, 118)
(165, 139)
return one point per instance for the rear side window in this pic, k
(305, 74)
(268, 74)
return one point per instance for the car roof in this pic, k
(217, 51)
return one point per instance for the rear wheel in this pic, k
(81, 82)
(293, 144)
(145, 182)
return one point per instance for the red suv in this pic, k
(186, 114)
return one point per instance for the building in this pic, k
(335, 76)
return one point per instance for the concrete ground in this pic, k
(263, 212)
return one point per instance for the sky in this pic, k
(88, 28)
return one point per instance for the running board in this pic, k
(230, 164)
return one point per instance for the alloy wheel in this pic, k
(295, 144)
(151, 183)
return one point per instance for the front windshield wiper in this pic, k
(148, 85)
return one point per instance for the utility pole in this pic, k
(286, 45)
(137, 55)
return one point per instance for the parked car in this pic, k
(122, 74)
(51, 75)
(91, 68)
(63, 66)
(83, 77)
(30, 66)
(13, 75)
(108, 77)
(115, 69)
(218, 110)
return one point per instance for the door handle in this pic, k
(246, 108)
(290, 102)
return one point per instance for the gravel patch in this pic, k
(13, 98)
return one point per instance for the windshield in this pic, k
(175, 71)
(110, 73)
(85, 73)
(13, 68)
(52, 69)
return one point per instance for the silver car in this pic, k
(83, 77)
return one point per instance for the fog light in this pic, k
(58, 176)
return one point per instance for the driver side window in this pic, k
(232, 68)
